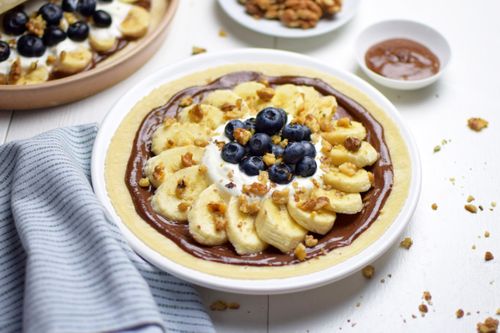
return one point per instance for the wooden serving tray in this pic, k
(88, 83)
(5, 5)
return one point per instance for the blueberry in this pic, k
(250, 124)
(30, 46)
(284, 115)
(293, 153)
(4, 51)
(106, 1)
(101, 19)
(306, 167)
(78, 31)
(277, 150)
(309, 149)
(14, 22)
(252, 165)
(232, 152)
(307, 133)
(293, 132)
(53, 35)
(280, 173)
(231, 126)
(269, 121)
(86, 7)
(69, 5)
(51, 13)
(259, 144)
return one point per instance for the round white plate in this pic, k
(274, 28)
(270, 286)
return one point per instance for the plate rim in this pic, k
(116, 114)
(291, 33)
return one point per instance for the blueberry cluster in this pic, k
(297, 156)
(29, 45)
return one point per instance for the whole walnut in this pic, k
(330, 7)
(301, 13)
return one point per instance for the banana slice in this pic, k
(288, 97)
(160, 167)
(202, 114)
(358, 182)
(320, 221)
(174, 197)
(136, 24)
(276, 227)
(366, 155)
(230, 103)
(102, 44)
(241, 231)
(207, 217)
(325, 108)
(178, 135)
(340, 202)
(39, 75)
(340, 133)
(73, 61)
(248, 91)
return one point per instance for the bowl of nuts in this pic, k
(291, 18)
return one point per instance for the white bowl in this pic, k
(416, 31)
(274, 28)
(270, 286)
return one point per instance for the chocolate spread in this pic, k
(346, 227)
(402, 59)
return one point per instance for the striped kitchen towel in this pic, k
(64, 267)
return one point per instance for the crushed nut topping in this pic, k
(344, 122)
(280, 197)
(488, 256)
(265, 94)
(144, 182)
(36, 25)
(348, 169)
(242, 135)
(406, 243)
(180, 188)
(263, 177)
(218, 211)
(352, 144)
(368, 271)
(300, 252)
(159, 172)
(195, 114)
(471, 208)
(434, 206)
(200, 142)
(255, 188)
(490, 325)
(470, 198)
(187, 160)
(459, 313)
(186, 101)
(269, 159)
(15, 71)
(423, 308)
(183, 206)
(311, 241)
(486, 234)
(477, 124)
(202, 169)
(250, 207)
(222, 33)
(70, 17)
(227, 107)
(427, 296)
(314, 204)
(197, 50)
(325, 125)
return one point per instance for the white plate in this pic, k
(274, 28)
(270, 286)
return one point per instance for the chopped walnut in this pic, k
(186, 101)
(51, 60)
(263, 177)
(311, 241)
(348, 169)
(314, 204)
(276, 139)
(470, 198)
(406, 243)
(300, 252)
(159, 172)
(227, 107)
(344, 122)
(15, 71)
(269, 159)
(280, 197)
(486, 234)
(187, 160)
(222, 33)
(477, 124)
(352, 144)
(242, 135)
(219, 144)
(36, 25)
(368, 271)
(200, 142)
(197, 50)
(233, 306)
(325, 125)
(169, 122)
(303, 14)
(218, 306)
(459, 313)
(180, 188)
(490, 325)
(488, 256)
(423, 308)
(218, 211)
(183, 206)
(202, 169)
(255, 188)
(195, 114)
(144, 182)
(330, 7)
(326, 147)
(427, 296)
(265, 94)
(434, 206)
(250, 207)
(471, 208)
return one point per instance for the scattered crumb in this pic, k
(480, 208)
(427, 296)
(222, 33)
(477, 124)
(233, 306)
(493, 204)
(197, 50)
(452, 180)
(473, 246)
(382, 281)
(413, 316)
(311, 241)
(423, 308)
(489, 325)
(406, 243)
(437, 148)
(434, 206)
(486, 234)
(471, 208)
(359, 304)
(223, 306)
(368, 271)
(488, 256)
(470, 198)
(300, 252)
(459, 313)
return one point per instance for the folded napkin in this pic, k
(64, 267)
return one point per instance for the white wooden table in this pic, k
(442, 259)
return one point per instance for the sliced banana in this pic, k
(276, 227)
(182, 188)
(202, 114)
(71, 62)
(230, 103)
(102, 44)
(359, 182)
(178, 135)
(316, 221)
(39, 75)
(312, 98)
(339, 133)
(366, 155)
(288, 97)
(160, 167)
(241, 231)
(340, 202)
(248, 91)
(324, 108)
(206, 226)
(136, 23)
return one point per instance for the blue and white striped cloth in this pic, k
(63, 266)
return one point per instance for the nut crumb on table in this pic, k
(459, 313)
(488, 256)
(427, 296)
(470, 198)
(471, 208)
(197, 50)
(220, 305)
(406, 243)
(490, 325)
(222, 33)
(477, 124)
(423, 308)
(368, 271)
(434, 206)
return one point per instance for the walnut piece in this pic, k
(368, 271)
(471, 208)
(488, 256)
(314, 204)
(183, 206)
(406, 243)
(180, 188)
(303, 14)
(280, 197)
(255, 188)
(187, 160)
(158, 172)
(197, 50)
(15, 71)
(195, 114)
(477, 124)
(36, 25)
(300, 252)
(311, 241)
(352, 144)
(265, 94)
(344, 122)
(459, 313)
(144, 182)
(269, 159)
(490, 325)
(250, 207)
(423, 308)
(242, 135)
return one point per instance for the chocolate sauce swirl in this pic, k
(346, 228)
